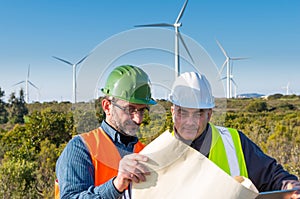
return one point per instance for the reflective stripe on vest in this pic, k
(227, 152)
(104, 154)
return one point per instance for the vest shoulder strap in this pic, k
(227, 152)
(239, 152)
(104, 154)
(102, 149)
(217, 153)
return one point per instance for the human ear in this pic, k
(106, 106)
(209, 113)
(173, 112)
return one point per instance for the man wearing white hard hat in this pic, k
(228, 148)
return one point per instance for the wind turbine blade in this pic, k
(233, 82)
(181, 12)
(82, 59)
(156, 25)
(224, 52)
(28, 71)
(67, 62)
(185, 46)
(222, 68)
(223, 78)
(33, 85)
(239, 58)
(19, 83)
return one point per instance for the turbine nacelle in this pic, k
(27, 83)
(177, 25)
(74, 66)
(178, 37)
(227, 63)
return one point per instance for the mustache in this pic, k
(190, 128)
(132, 123)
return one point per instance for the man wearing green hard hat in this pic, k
(103, 162)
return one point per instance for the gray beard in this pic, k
(123, 128)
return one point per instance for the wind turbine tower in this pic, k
(235, 87)
(288, 89)
(74, 66)
(27, 82)
(233, 82)
(227, 62)
(178, 37)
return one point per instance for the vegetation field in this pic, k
(32, 136)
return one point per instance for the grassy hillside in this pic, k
(29, 150)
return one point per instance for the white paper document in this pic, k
(179, 171)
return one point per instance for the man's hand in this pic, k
(130, 169)
(296, 195)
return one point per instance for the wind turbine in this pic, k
(234, 83)
(178, 37)
(288, 89)
(228, 69)
(27, 82)
(235, 86)
(232, 80)
(74, 72)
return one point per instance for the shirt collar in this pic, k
(202, 143)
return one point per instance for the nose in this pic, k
(137, 117)
(190, 120)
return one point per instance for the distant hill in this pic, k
(250, 95)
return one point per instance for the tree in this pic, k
(3, 111)
(18, 165)
(85, 116)
(30, 153)
(46, 160)
(16, 179)
(57, 127)
(257, 106)
(275, 96)
(17, 108)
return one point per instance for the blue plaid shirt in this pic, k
(75, 170)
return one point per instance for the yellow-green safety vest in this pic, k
(226, 151)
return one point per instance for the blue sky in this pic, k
(32, 31)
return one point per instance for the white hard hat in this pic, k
(192, 90)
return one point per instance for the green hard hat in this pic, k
(129, 83)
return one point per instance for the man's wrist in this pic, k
(115, 183)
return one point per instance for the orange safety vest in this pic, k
(105, 156)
